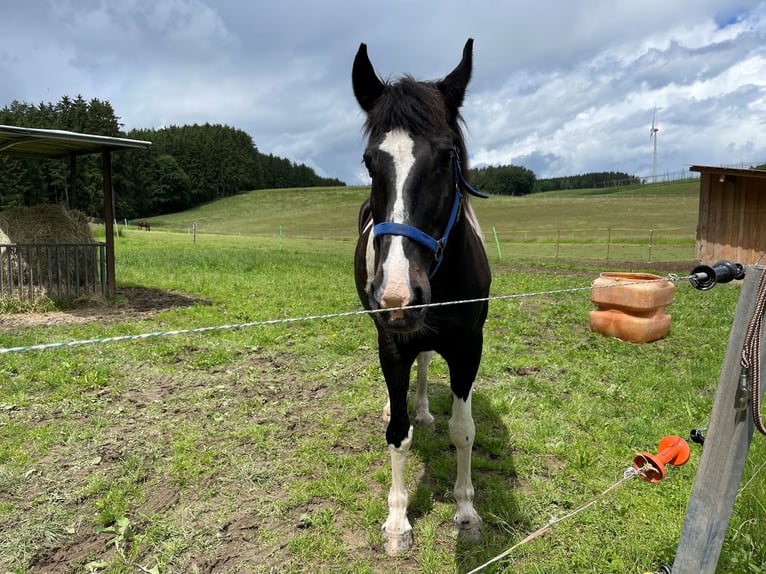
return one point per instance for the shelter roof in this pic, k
(20, 141)
(729, 171)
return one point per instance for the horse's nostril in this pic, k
(417, 298)
(392, 301)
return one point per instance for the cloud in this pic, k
(560, 87)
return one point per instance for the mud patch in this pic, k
(132, 304)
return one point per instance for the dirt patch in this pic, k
(132, 303)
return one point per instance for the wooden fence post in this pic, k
(730, 431)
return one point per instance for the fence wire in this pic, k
(234, 326)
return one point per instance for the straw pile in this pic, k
(67, 271)
(44, 224)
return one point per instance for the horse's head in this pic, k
(412, 155)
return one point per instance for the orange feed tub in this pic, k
(631, 306)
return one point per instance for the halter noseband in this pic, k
(437, 246)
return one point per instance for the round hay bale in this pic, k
(57, 259)
(44, 224)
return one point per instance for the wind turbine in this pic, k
(653, 138)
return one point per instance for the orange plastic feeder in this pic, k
(672, 450)
(631, 306)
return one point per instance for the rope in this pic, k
(629, 473)
(59, 345)
(751, 354)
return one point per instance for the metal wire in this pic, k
(102, 340)
(629, 473)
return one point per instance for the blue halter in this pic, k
(437, 246)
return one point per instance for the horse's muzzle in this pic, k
(402, 318)
(402, 321)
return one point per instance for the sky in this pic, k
(558, 87)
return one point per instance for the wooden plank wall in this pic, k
(732, 219)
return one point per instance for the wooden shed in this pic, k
(32, 142)
(732, 215)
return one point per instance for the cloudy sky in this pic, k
(560, 87)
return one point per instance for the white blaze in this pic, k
(395, 288)
(399, 145)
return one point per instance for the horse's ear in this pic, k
(367, 85)
(453, 86)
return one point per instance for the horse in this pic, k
(420, 244)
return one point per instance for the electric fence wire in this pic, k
(629, 473)
(235, 326)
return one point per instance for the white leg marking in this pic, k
(397, 529)
(387, 409)
(422, 413)
(462, 432)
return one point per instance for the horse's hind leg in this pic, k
(423, 415)
(462, 432)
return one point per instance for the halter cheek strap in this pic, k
(436, 246)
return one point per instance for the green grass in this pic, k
(637, 223)
(305, 213)
(262, 449)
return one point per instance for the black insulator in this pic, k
(697, 436)
(665, 569)
(704, 277)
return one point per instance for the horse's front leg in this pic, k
(423, 414)
(462, 432)
(397, 530)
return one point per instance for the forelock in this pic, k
(417, 107)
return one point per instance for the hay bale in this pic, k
(44, 224)
(69, 269)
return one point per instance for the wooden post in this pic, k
(106, 158)
(72, 181)
(730, 431)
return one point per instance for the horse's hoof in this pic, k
(426, 420)
(469, 532)
(397, 544)
(468, 526)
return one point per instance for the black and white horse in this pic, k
(419, 243)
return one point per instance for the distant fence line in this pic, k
(607, 244)
(52, 270)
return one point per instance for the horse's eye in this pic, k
(367, 163)
(446, 156)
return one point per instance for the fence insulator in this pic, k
(651, 467)
(704, 277)
(697, 436)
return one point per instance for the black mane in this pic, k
(415, 106)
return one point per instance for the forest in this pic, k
(193, 164)
(184, 167)
(518, 180)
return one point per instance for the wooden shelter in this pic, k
(732, 215)
(30, 142)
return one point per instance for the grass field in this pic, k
(262, 449)
(305, 213)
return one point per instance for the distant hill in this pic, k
(331, 212)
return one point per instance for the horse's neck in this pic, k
(465, 255)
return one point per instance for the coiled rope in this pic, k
(751, 354)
